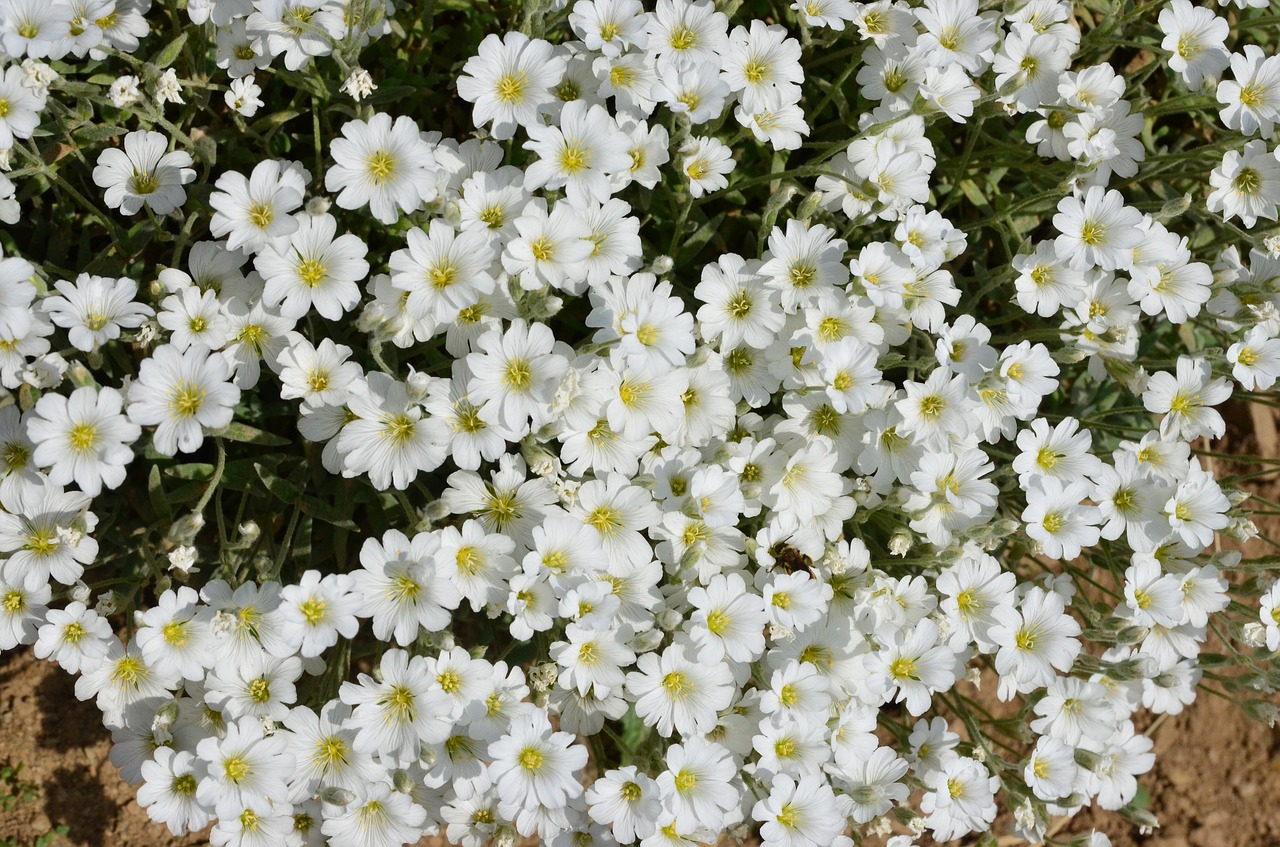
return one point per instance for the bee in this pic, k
(790, 559)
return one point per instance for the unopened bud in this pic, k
(80, 592)
(1254, 635)
(416, 385)
(1175, 207)
(336, 796)
(402, 781)
(317, 206)
(809, 205)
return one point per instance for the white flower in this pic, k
(396, 712)
(673, 693)
(1035, 637)
(261, 687)
(313, 269)
(1195, 37)
(144, 174)
(687, 33)
(443, 271)
(83, 438)
(290, 27)
(183, 559)
(168, 792)
(957, 34)
(533, 766)
(1056, 518)
(76, 637)
(244, 770)
(800, 814)
(20, 107)
(551, 247)
(962, 799)
(624, 799)
(319, 375)
(168, 89)
(1251, 101)
(182, 393)
(1269, 612)
(35, 28)
(914, 665)
(509, 80)
(1246, 185)
(95, 309)
(1119, 760)
(728, 620)
(16, 295)
(193, 316)
(698, 784)
(1197, 508)
(382, 816)
(762, 65)
(580, 155)
(515, 373)
(1187, 400)
(316, 611)
(388, 438)
(706, 161)
(244, 96)
(386, 165)
(1255, 360)
(1099, 232)
(401, 587)
(253, 210)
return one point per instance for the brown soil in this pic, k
(1215, 783)
(63, 748)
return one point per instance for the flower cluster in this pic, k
(581, 496)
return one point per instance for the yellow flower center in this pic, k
(1093, 233)
(398, 705)
(82, 436)
(510, 88)
(531, 759)
(573, 159)
(312, 610)
(756, 71)
(261, 215)
(186, 399)
(903, 668)
(382, 167)
(682, 38)
(311, 273)
(399, 429)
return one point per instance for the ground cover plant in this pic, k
(624, 423)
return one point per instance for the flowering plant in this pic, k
(626, 425)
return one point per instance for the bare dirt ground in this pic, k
(1215, 783)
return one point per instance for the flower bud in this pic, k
(402, 781)
(107, 603)
(317, 206)
(80, 592)
(1254, 635)
(900, 542)
(417, 384)
(335, 796)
